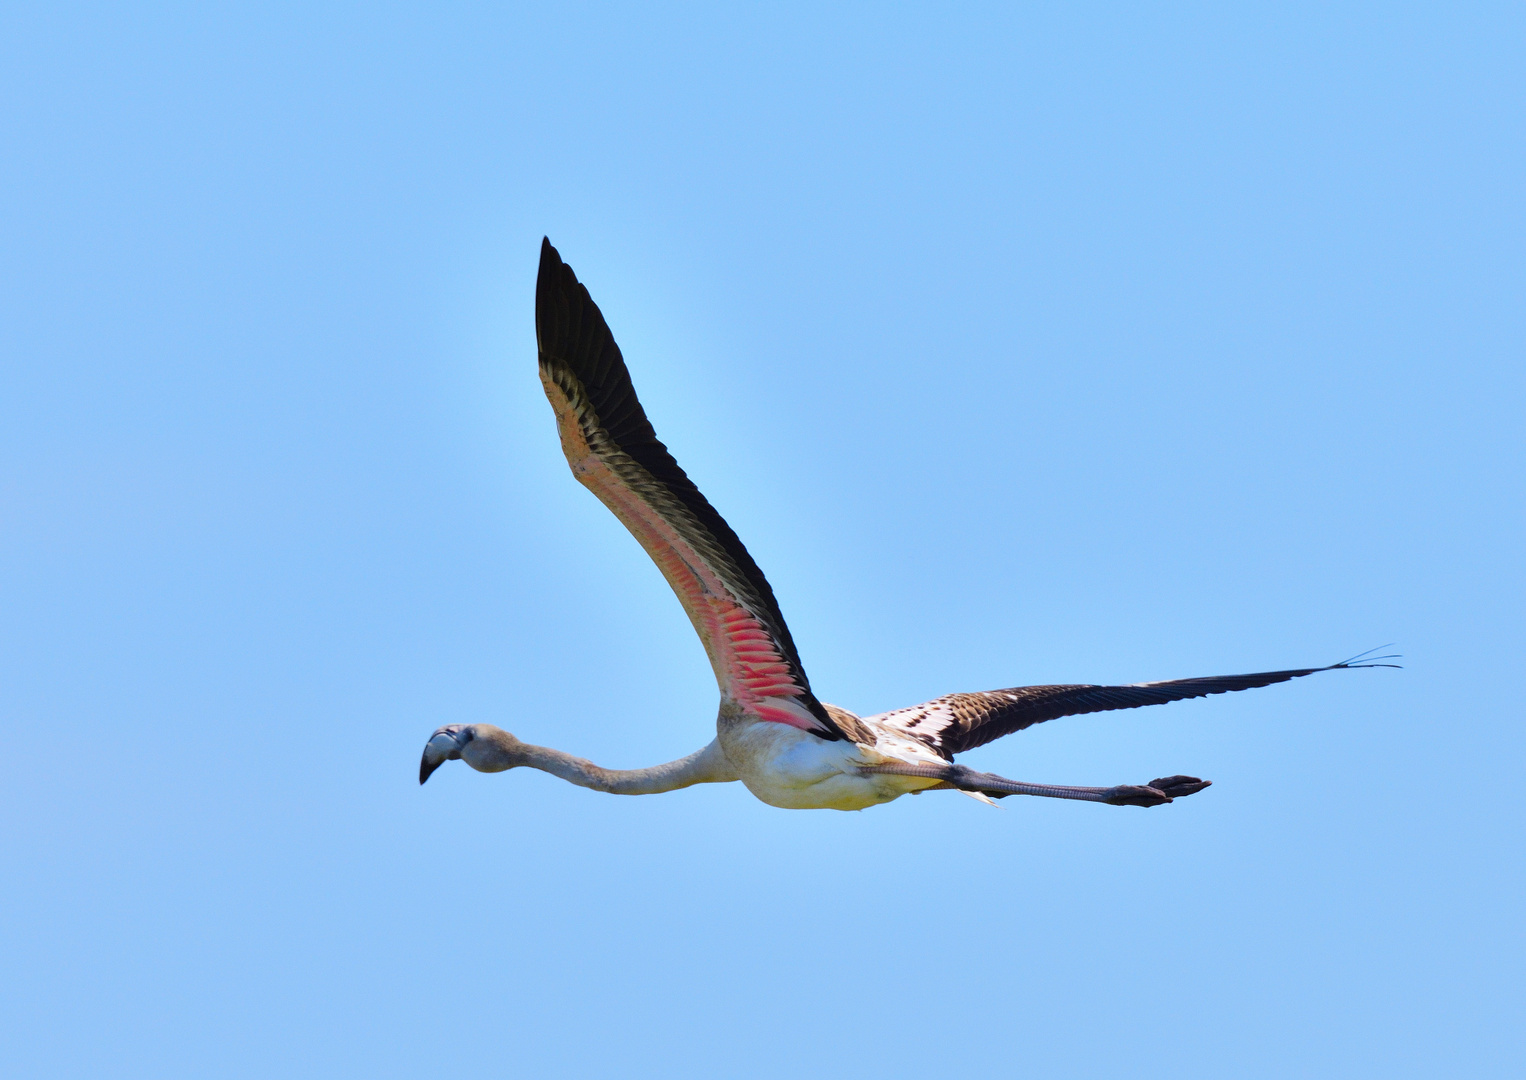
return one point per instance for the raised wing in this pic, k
(615, 453)
(959, 722)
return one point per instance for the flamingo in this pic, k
(787, 747)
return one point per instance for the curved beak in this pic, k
(428, 765)
(443, 746)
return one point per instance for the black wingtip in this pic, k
(550, 260)
(552, 284)
(1367, 660)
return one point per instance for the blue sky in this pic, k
(1020, 344)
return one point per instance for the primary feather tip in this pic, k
(1367, 660)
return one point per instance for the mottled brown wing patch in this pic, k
(850, 725)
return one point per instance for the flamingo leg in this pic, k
(1162, 790)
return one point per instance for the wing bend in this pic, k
(615, 453)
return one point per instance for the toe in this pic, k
(1135, 795)
(1176, 787)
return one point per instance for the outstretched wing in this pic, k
(959, 722)
(615, 453)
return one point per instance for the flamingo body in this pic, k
(788, 767)
(787, 747)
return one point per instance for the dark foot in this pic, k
(1177, 787)
(1156, 792)
(1134, 795)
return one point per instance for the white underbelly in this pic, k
(784, 766)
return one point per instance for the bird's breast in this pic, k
(786, 767)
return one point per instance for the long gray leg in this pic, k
(1162, 790)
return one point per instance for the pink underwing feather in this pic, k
(614, 452)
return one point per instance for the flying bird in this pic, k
(773, 734)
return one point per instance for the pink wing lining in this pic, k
(749, 666)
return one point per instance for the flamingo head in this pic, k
(482, 746)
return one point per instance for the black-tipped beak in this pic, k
(427, 767)
(444, 745)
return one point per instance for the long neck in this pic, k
(705, 766)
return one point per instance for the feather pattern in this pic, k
(957, 722)
(615, 453)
